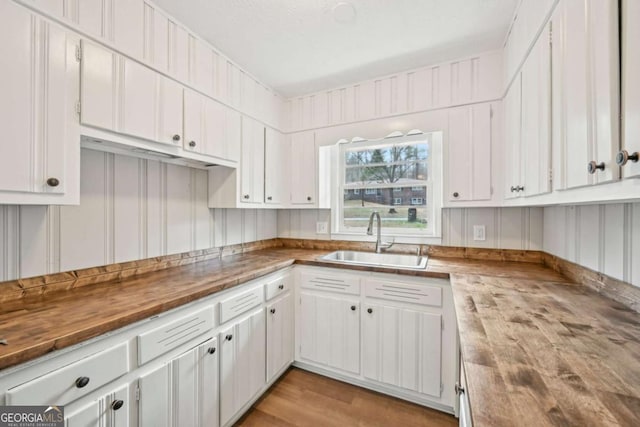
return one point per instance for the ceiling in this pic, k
(303, 46)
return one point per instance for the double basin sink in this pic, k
(400, 261)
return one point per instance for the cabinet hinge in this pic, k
(138, 393)
(551, 175)
(78, 108)
(551, 33)
(78, 53)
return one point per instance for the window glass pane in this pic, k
(403, 207)
(386, 154)
(404, 173)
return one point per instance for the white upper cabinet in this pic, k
(138, 100)
(535, 149)
(303, 169)
(276, 166)
(128, 26)
(585, 91)
(193, 121)
(169, 121)
(201, 65)
(469, 153)
(40, 154)
(252, 162)
(629, 156)
(512, 140)
(156, 38)
(178, 52)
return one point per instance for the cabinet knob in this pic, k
(117, 404)
(353, 308)
(246, 197)
(513, 189)
(623, 157)
(176, 137)
(281, 286)
(272, 311)
(369, 310)
(458, 388)
(456, 194)
(520, 188)
(228, 337)
(269, 198)
(308, 198)
(192, 143)
(53, 182)
(593, 167)
(82, 382)
(211, 350)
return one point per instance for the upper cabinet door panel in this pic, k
(98, 86)
(512, 136)
(631, 86)
(138, 100)
(303, 168)
(178, 52)
(90, 16)
(201, 65)
(169, 106)
(193, 121)
(156, 38)
(128, 26)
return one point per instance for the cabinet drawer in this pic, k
(64, 385)
(239, 304)
(396, 291)
(158, 341)
(330, 282)
(277, 286)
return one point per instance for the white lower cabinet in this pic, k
(330, 331)
(182, 392)
(113, 409)
(242, 364)
(279, 335)
(402, 348)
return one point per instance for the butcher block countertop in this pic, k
(538, 350)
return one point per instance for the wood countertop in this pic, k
(537, 349)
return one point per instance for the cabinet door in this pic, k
(201, 65)
(39, 91)
(169, 107)
(128, 26)
(536, 116)
(585, 63)
(279, 335)
(138, 100)
(233, 134)
(252, 162)
(303, 168)
(276, 165)
(469, 162)
(85, 417)
(183, 391)
(156, 38)
(178, 52)
(242, 364)
(214, 124)
(402, 348)
(512, 129)
(193, 121)
(98, 86)
(113, 409)
(631, 88)
(330, 331)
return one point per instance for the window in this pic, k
(386, 170)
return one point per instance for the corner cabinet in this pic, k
(40, 154)
(391, 333)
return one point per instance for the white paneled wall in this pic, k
(130, 209)
(604, 238)
(506, 228)
(470, 80)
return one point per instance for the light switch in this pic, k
(479, 232)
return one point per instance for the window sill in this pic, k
(400, 238)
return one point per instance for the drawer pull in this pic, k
(211, 350)
(369, 310)
(117, 404)
(228, 337)
(281, 286)
(353, 308)
(82, 382)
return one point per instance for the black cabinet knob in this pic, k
(513, 189)
(53, 182)
(211, 350)
(456, 194)
(369, 310)
(228, 337)
(272, 311)
(623, 157)
(82, 382)
(281, 286)
(593, 167)
(308, 198)
(269, 198)
(192, 143)
(176, 137)
(246, 197)
(353, 308)
(117, 404)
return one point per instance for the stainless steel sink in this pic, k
(412, 262)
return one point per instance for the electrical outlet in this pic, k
(322, 227)
(479, 232)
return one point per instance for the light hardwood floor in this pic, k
(301, 398)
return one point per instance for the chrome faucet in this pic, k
(380, 245)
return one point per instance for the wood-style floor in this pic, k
(301, 398)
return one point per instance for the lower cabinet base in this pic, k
(380, 388)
